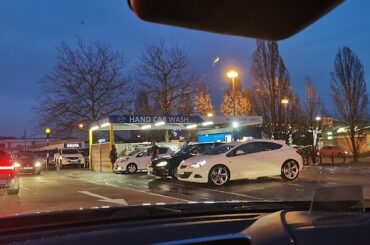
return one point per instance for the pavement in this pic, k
(81, 189)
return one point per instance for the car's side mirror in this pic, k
(195, 153)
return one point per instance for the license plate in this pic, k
(27, 168)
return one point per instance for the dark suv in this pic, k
(164, 167)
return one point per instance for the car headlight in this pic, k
(162, 164)
(16, 165)
(198, 164)
(119, 168)
(37, 164)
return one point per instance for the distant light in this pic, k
(191, 126)
(159, 123)
(81, 125)
(232, 74)
(47, 130)
(210, 114)
(146, 126)
(330, 133)
(235, 124)
(207, 123)
(318, 118)
(284, 101)
(94, 128)
(105, 125)
(330, 137)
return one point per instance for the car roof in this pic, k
(281, 142)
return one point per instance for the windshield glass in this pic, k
(92, 77)
(70, 151)
(185, 150)
(219, 150)
(25, 156)
(134, 152)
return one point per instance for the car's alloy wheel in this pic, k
(219, 175)
(131, 168)
(290, 170)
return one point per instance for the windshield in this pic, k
(134, 152)
(90, 76)
(184, 151)
(70, 151)
(219, 150)
(25, 156)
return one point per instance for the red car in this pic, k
(9, 180)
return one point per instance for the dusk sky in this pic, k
(30, 30)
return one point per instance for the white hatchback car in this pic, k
(138, 160)
(242, 160)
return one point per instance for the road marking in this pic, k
(147, 192)
(224, 192)
(233, 193)
(105, 199)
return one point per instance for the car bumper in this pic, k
(70, 163)
(8, 182)
(28, 170)
(158, 172)
(119, 169)
(192, 175)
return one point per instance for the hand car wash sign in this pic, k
(154, 119)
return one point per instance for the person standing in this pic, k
(113, 155)
(155, 150)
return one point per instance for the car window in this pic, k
(250, 148)
(273, 146)
(219, 150)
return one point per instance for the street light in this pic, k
(81, 126)
(209, 114)
(318, 118)
(232, 75)
(284, 101)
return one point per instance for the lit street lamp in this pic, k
(284, 101)
(81, 126)
(209, 114)
(232, 75)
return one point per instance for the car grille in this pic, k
(72, 158)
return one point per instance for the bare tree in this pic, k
(142, 103)
(270, 85)
(168, 75)
(85, 85)
(312, 103)
(203, 101)
(242, 104)
(348, 90)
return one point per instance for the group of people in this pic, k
(113, 155)
(309, 155)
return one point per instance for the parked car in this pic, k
(242, 160)
(27, 162)
(164, 167)
(336, 151)
(138, 160)
(69, 157)
(9, 180)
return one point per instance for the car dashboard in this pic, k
(280, 227)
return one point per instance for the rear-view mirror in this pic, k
(263, 19)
